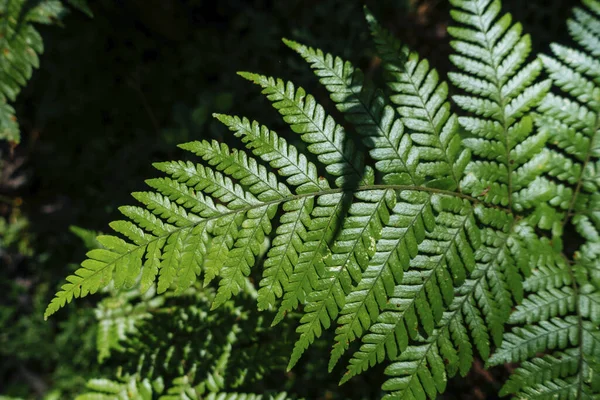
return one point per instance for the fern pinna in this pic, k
(413, 230)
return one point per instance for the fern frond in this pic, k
(261, 183)
(182, 388)
(392, 253)
(118, 317)
(418, 373)
(558, 345)
(245, 396)
(474, 318)
(421, 255)
(350, 252)
(126, 388)
(242, 256)
(285, 251)
(275, 150)
(542, 305)
(311, 261)
(21, 44)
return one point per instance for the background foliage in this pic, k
(119, 91)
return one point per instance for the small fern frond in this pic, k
(215, 346)
(558, 341)
(126, 388)
(20, 44)
(542, 305)
(345, 261)
(394, 247)
(418, 373)
(280, 155)
(311, 260)
(118, 318)
(143, 389)
(474, 318)
(260, 182)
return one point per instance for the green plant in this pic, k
(415, 241)
(184, 351)
(21, 44)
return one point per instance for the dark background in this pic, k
(120, 91)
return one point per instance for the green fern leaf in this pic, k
(284, 253)
(392, 254)
(417, 247)
(353, 247)
(312, 259)
(562, 323)
(118, 318)
(418, 373)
